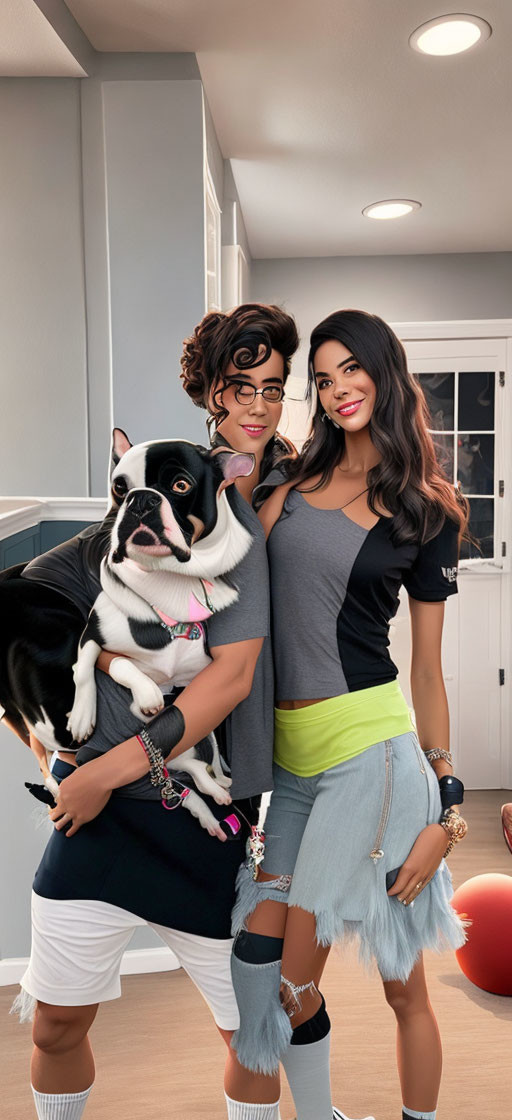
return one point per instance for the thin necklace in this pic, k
(354, 498)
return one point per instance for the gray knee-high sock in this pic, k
(60, 1106)
(306, 1064)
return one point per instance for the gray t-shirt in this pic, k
(334, 589)
(246, 736)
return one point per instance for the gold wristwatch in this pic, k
(455, 827)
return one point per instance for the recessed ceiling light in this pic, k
(391, 208)
(450, 34)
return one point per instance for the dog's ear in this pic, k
(233, 464)
(120, 444)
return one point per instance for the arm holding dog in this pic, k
(204, 703)
(178, 540)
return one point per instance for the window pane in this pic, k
(481, 527)
(476, 464)
(476, 402)
(439, 392)
(443, 447)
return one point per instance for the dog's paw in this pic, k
(211, 786)
(204, 815)
(224, 781)
(82, 717)
(220, 794)
(148, 699)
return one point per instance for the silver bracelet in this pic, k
(154, 757)
(159, 775)
(436, 753)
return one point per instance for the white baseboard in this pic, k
(134, 961)
(149, 960)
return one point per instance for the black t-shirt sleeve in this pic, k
(433, 576)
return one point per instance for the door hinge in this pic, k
(502, 676)
(503, 548)
(502, 377)
(501, 487)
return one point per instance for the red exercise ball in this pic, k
(486, 958)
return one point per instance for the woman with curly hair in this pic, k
(364, 807)
(172, 874)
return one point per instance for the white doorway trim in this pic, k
(456, 328)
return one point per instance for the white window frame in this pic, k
(465, 331)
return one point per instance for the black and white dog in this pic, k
(172, 542)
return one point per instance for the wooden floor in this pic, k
(160, 1058)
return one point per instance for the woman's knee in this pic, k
(268, 918)
(59, 1029)
(406, 999)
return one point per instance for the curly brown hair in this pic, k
(245, 336)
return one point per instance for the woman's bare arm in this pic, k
(104, 659)
(427, 684)
(432, 721)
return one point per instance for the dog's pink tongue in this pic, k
(196, 610)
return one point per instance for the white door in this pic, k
(465, 385)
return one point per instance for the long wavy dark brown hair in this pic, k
(246, 337)
(408, 481)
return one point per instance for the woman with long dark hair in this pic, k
(124, 861)
(364, 806)
(243, 402)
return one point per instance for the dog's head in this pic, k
(173, 510)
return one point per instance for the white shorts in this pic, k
(77, 946)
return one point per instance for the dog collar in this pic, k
(190, 630)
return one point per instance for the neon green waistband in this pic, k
(309, 740)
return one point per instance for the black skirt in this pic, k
(159, 864)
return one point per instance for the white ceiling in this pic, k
(30, 47)
(323, 108)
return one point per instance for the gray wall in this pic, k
(154, 177)
(213, 152)
(43, 440)
(101, 265)
(400, 289)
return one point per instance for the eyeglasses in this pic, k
(246, 394)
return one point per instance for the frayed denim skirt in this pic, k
(332, 838)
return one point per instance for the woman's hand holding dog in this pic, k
(421, 864)
(81, 797)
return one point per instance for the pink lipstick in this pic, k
(349, 409)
